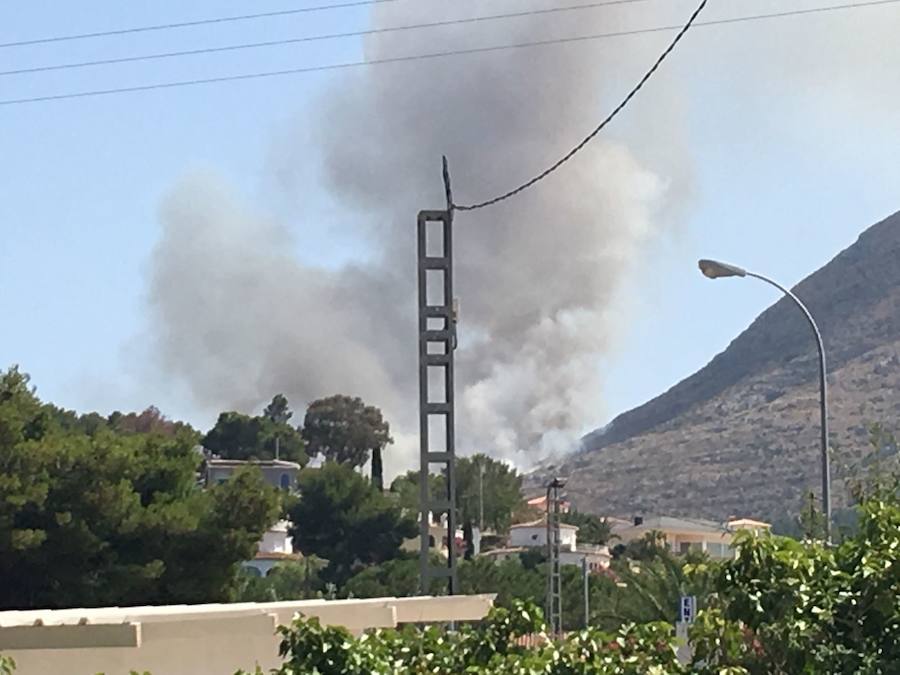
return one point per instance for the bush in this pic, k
(492, 647)
(790, 607)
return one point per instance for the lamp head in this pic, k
(714, 269)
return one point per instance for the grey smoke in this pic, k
(239, 318)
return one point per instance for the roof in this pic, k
(668, 523)
(748, 522)
(265, 463)
(276, 555)
(542, 522)
(494, 552)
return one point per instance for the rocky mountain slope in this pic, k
(740, 436)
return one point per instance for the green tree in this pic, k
(344, 429)
(591, 529)
(394, 578)
(287, 580)
(243, 437)
(342, 518)
(500, 488)
(113, 517)
(492, 647)
(784, 606)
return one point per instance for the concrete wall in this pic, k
(197, 639)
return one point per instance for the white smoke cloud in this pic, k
(239, 318)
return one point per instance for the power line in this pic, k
(198, 22)
(434, 55)
(316, 38)
(609, 118)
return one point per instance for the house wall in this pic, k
(537, 536)
(278, 477)
(274, 541)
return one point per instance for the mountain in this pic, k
(740, 436)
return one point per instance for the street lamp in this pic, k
(717, 270)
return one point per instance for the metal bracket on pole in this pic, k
(437, 342)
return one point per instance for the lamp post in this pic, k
(716, 270)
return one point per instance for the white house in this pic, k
(690, 534)
(276, 546)
(534, 534)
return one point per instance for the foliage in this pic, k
(491, 647)
(278, 410)
(342, 518)
(649, 547)
(649, 590)
(113, 518)
(344, 429)
(287, 580)
(242, 437)
(789, 607)
(591, 529)
(7, 665)
(502, 491)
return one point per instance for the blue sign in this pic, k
(687, 609)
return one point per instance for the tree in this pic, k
(591, 529)
(344, 429)
(500, 488)
(287, 580)
(340, 517)
(278, 412)
(491, 647)
(239, 436)
(114, 518)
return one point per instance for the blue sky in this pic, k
(787, 173)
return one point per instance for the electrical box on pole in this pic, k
(437, 342)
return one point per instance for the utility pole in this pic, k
(437, 342)
(481, 496)
(554, 580)
(585, 578)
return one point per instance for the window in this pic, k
(686, 546)
(285, 481)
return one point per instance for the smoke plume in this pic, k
(240, 319)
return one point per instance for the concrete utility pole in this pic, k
(481, 496)
(554, 580)
(437, 342)
(585, 577)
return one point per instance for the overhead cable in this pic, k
(631, 94)
(316, 38)
(434, 55)
(188, 24)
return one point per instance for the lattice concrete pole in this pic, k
(437, 342)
